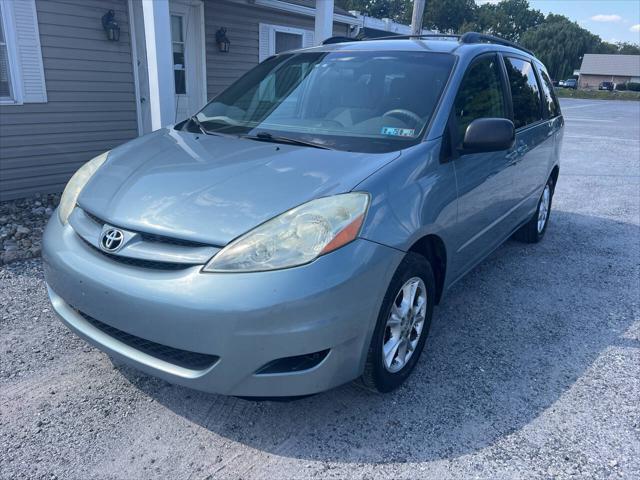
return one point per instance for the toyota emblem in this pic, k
(112, 239)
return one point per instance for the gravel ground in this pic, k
(21, 225)
(532, 369)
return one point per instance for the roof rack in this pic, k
(475, 37)
(469, 37)
(421, 35)
(339, 39)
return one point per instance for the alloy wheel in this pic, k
(404, 325)
(543, 211)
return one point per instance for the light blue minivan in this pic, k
(297, 232)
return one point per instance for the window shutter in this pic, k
(29, 52)
(263, 47)
(307, 39)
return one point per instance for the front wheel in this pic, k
(535, 228)
(402, 326)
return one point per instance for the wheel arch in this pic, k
(554, 175)
(432, 247)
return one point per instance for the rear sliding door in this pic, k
(534, 136)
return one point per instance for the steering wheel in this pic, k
(329, 123)
(403, 114)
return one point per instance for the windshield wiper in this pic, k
(267, 137)
(198, 123)
(195, 120)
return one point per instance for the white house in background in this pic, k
(78, 77)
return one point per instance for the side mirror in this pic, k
(489, 135)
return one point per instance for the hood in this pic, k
(212, 189)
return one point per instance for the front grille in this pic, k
(151, 237)
(175, 356)
(137, 262)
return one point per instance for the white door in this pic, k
(189, 70)
(188, 57)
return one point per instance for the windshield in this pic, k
(355, 101)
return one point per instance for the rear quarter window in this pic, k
(550, 104)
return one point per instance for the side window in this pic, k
(21, 70)
(480, 94)
(274, 39)
(524, 91)
(551, 107)
(287, 41)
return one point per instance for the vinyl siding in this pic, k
(242, 24)
(91, 103)
(90, 86)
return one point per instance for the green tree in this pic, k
(508, 19)
(560, 44)
(397, 10)
(626, 48)
(442, 15)
(448, 15)
(558, 41)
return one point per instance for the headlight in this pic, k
(76, 184)
(295, 237)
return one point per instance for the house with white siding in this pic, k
(79, 77)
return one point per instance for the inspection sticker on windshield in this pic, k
(398, 132)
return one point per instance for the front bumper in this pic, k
(247, 320)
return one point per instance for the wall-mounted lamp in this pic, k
(222, 40)
(110, 26)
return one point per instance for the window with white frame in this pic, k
(5, 73)
(21, 69)
(178, 45)
(277, 39)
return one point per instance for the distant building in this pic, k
(370, 27)
(598, 68)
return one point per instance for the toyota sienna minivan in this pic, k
(296, 233)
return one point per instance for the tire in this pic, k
(384, 376)
(533, 231)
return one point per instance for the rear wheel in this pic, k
(402, 326)
(535, 228)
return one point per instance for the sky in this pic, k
(612, 20)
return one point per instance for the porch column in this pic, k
(324, 21)
(157, 34)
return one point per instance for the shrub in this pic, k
(633, 86)
(621, 86)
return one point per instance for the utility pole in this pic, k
(416, 17)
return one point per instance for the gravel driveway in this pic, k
(532, 369)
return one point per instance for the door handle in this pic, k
(520, 149)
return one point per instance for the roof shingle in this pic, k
(621, 65)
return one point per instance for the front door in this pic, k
(188, 57)
(485, 190)
(188, 53)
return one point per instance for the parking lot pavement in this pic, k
(532, 369)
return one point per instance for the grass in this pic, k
(597, 94)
